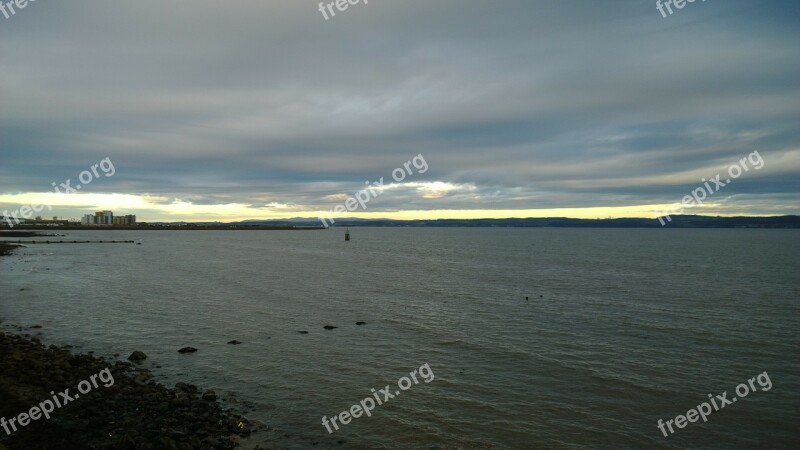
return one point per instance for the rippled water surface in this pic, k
(621, 328)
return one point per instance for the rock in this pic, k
(182, 399)
(137, 356)
(141, 379)
(234, 342)
(187, 350)
(184, 387)
(112, 418)
(303, 332)
(329, 327)
(127, 442)
(212, 442)
(361, 323)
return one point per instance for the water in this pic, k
(622, 328)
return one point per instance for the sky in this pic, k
(264, 109)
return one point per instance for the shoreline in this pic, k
(162, 228)
(128, 411)
(6, 249)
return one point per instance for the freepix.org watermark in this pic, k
(85, 177)
(668, 4)
(341, 5)
(703, 410)
(701, 193)
(8, 8)
(60, 400)
(368, 404)
(360, 198)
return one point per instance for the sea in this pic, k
(529, 338)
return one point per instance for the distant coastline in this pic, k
(306, 224)
(683, 221)
(3, 230)
(300, 224)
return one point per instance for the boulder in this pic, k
(185, 387)
(141, 379)
(137, 356)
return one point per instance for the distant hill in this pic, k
(684, 221)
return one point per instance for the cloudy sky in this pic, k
(257, 109)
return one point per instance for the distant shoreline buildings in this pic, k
(107, 218)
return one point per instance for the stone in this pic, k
(141, 379)
(137, 356)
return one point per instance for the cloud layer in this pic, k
(257, 109)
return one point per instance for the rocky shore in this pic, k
(6, 248)
(132, 413)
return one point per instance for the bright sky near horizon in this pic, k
(262, 109)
